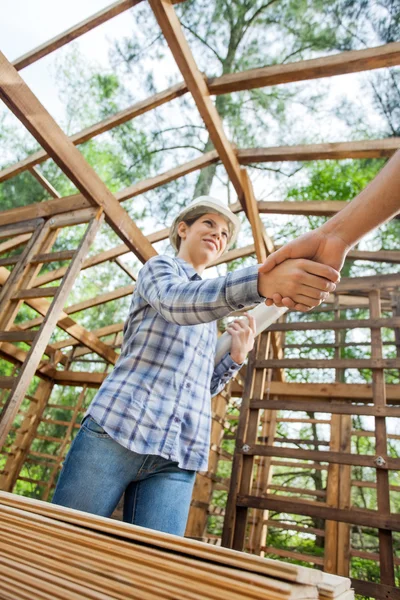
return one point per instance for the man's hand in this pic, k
(243, 332)
(306, 281)
(326, 248)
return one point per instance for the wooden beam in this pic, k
(172, 30)
(23, 103)
(391, 322)
(334, 151)
(315, 68)
(40, 178)
(28, 369)
(73, 32)
(280, 504)
(356, 391)
(366, 284)
(77, 378)
(77, 201)
(121, 292)
(324, 208)
(331, 363)
(69, 325)
(122, 116)
(76, 31)
(254, 217)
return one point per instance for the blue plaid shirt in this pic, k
(157, 399)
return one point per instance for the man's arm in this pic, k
(330, 243)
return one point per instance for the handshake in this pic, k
(301, 274)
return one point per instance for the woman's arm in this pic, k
(201, 301)
(243, 332)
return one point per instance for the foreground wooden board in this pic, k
(255, 564)
(335, 587)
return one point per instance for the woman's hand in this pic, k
(306, 282)
(243, 332)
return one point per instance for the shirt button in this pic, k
(226, 374)
(187, 385)
(176, 419)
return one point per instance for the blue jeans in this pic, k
(98, 470)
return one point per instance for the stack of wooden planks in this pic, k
(53, 553)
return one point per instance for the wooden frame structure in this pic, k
(28, 415)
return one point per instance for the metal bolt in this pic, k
(245, 448)
(380, 461)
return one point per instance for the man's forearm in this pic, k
(377, 203)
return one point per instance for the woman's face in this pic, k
(207, 236)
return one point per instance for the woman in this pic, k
(147, 430)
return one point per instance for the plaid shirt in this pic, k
(157, 399)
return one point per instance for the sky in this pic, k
(26, 24)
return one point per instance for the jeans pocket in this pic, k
(90, 426)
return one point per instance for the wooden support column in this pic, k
(64, 444)
(25, 435)
(234, 531)
(39, 345)
(205, 482)
(382, 476)
(23, 103)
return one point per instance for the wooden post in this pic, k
(25, 435)
(382, 476)
(35, 354)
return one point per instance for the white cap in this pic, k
(203, 205)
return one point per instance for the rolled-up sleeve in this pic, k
(192, 302)
(223, 372)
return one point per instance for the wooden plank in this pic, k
(333, 151)
(77, 378)
(46, 292)
(280, 504)
(73, 32)
(121, 292)
(332, 363)
(353, 61)
(390, 322)
(316, 560)
(350, 391)
(325, 208)
(340, 458)
(229, 526)
(248, 427)
(386, 562)
(77, 201)
(92, 131)
(40, 178)
(35, 353)
(53, 257)
(14, 242)
(376, 590)
(23, 103)
(172, 30)
(374, 282)
(327, 407)
(254, 217)
(24, 436)
(17, 336)
(104, 15)
(15, 276)
(6, 383)
(212, 554)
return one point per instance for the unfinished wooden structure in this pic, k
(261, 398)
